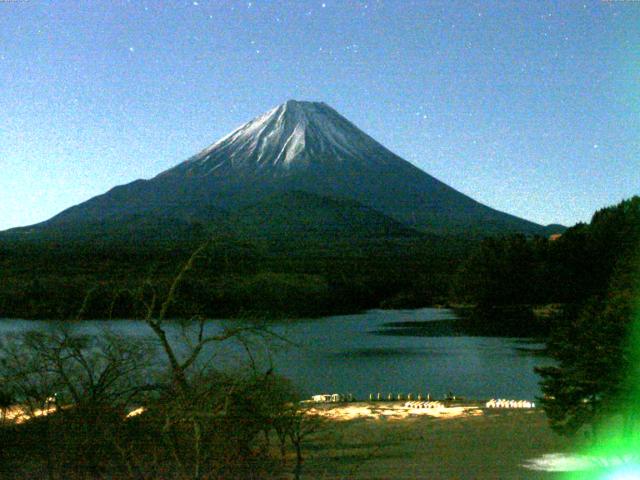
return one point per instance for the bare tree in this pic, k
(198, 420)
(202, 397)
(73, 368)
(83, 384)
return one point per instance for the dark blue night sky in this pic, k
(531, 107)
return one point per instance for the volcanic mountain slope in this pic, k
(297, 147)
(304, 216)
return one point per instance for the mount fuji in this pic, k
(296, 154)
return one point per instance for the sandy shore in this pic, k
(393, 410)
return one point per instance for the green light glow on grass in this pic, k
(626, 472)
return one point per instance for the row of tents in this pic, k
(504, 403)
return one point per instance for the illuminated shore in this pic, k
(391, 410)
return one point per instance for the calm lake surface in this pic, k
(376, 351)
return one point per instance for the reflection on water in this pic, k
(377, 351)
(382, 352)
(425, 328)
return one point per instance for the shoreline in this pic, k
(400, 409)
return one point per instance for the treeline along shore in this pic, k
(514, 284)
(103, 279)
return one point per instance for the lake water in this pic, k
(376, 351)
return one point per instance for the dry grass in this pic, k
(491, 445)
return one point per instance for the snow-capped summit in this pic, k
(292, 135)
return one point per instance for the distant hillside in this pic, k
(305, 216)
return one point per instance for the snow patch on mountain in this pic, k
(293, 135)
